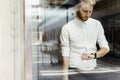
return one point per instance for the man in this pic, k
(79, 38)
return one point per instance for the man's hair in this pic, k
(91, 2)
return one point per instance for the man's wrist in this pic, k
(95, 54)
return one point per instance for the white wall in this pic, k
(11, 40)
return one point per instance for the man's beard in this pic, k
(81, 18)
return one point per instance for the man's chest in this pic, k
(80, 34)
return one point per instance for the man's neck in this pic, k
(80, 19)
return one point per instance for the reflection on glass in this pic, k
(48, 20)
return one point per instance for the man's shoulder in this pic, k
(69, 24)
(94, 20)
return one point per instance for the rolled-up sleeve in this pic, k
(64, 39)
(101, 38)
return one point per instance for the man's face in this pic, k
(84, 12)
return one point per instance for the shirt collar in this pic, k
(79, 22)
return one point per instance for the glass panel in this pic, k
(48, 17)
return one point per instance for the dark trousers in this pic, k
(79, 76)
(94, 76)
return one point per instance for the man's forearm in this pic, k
(65, 63)
(65, 67)
(101, 52)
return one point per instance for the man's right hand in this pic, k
(65, 77)
(86, 56)
(65, 67)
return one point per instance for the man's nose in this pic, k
(88, 14)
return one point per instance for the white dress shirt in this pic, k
(79, 37)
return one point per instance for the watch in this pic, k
(95, 55)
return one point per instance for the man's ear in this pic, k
(78, 7)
